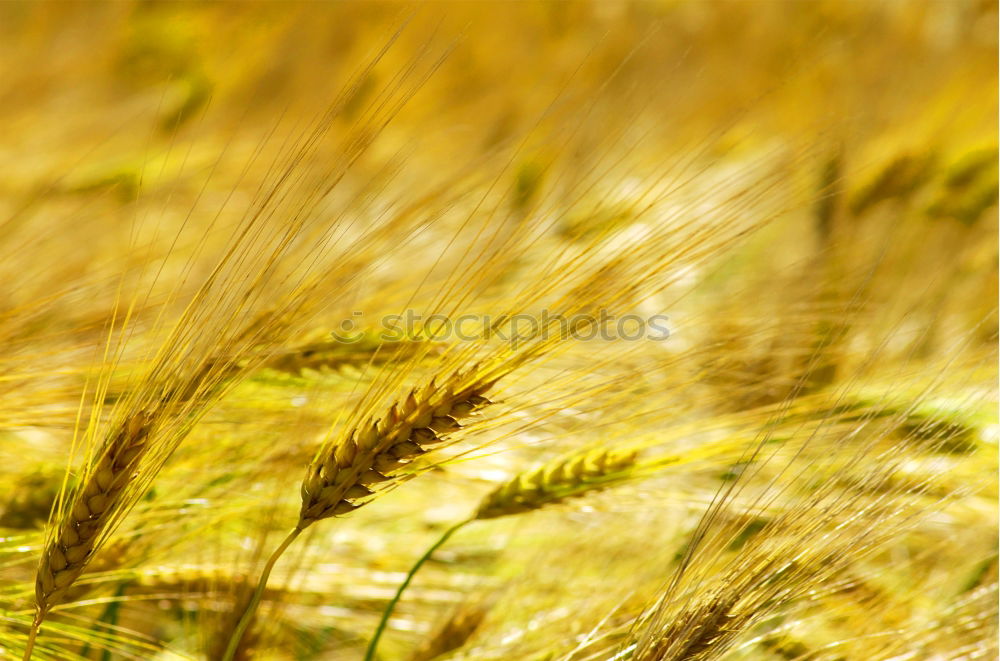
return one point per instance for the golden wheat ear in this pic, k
(87, 520)
(339, 480)
(341, 477)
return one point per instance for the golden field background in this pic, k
(195, 195)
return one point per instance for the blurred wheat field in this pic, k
(554, 331)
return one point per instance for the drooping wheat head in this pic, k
(67, 554)
(557, 481)
(339, 480)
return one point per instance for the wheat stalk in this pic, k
(242, 595)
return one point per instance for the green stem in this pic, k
(373, 645)
(258, 593)
(30, 646)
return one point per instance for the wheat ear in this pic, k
(556, 481)
(550, 483)
(87, 519)
(338, 480)
(67, 553)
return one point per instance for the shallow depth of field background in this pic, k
(847, 151)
